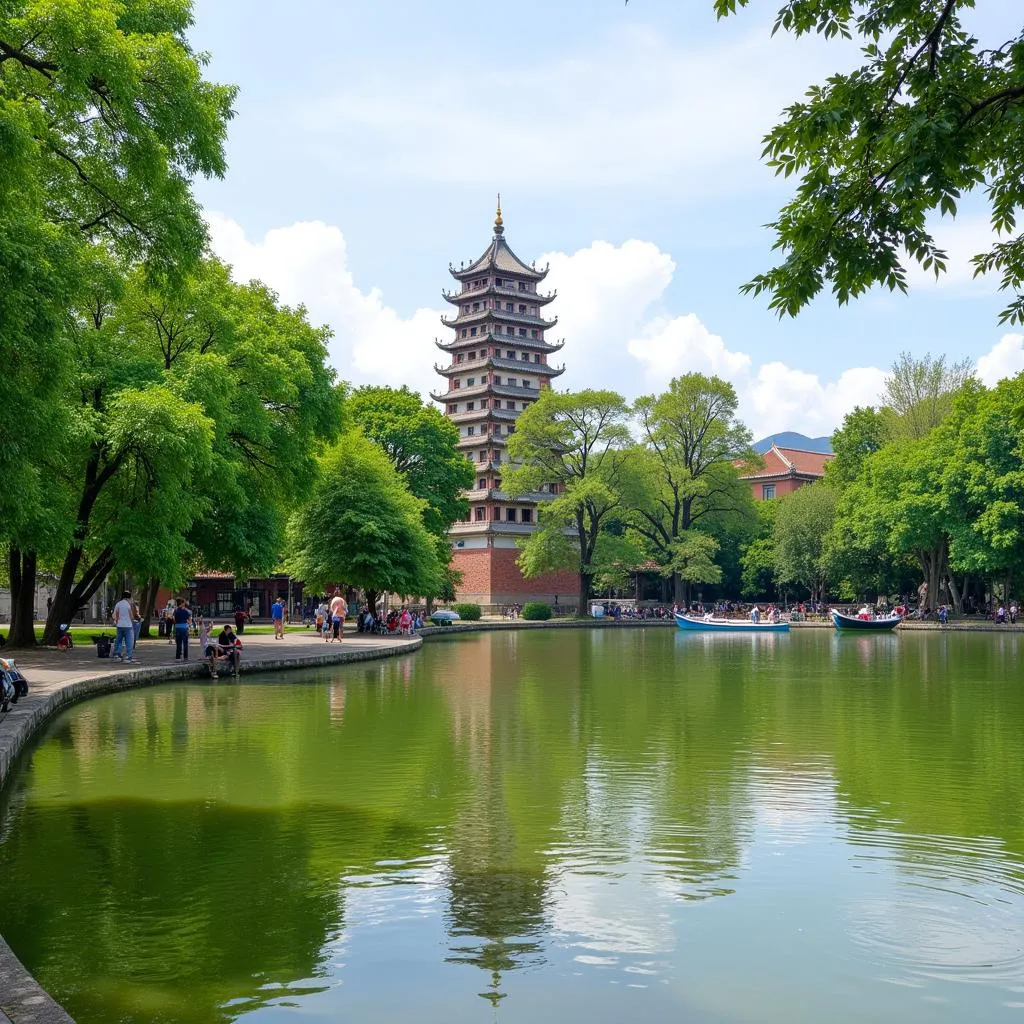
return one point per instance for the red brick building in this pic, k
(498, 363)
(785, 470)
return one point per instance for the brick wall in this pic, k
(491, 576)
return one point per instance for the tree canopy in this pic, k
(362, 526)
(930, 115)
(574, 443)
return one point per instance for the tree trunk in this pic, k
(586, 579)
(677, 589)
(71, 596)
(371, 600)
(22, 568)
(147, 604)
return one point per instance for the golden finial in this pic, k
(498, 222)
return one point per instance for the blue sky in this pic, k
(371, 139)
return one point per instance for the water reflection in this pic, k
(571, 821)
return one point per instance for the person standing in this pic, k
(277, 617)
(136, 624)
(339, 609)
(182, 621)
(124, 622)
(239, 620)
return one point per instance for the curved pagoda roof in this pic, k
(498, 256)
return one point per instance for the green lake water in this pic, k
(567, 826)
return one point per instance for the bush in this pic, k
(536, 611)
(468, 612)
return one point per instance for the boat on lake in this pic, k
(711, 625)
(879, 624)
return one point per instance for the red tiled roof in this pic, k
(782, 462)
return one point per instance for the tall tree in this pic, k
(919, 392)
(421, 444)
(362, 526)
(688, 474)
(802, 524)
(929, 115)
(105, 120)
(574, 441)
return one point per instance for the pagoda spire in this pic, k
(499, 224)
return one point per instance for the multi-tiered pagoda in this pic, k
(499, 363)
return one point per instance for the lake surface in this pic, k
(548, 826)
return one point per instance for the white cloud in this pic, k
(961, 239)
(308, 263)
(1005, 359)
(610, 305)
(634, 109)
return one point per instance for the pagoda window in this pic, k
(469, 406)
(471, 356)
(497, 482)
(522, 307)
(470, 381)
(510, 405)
(458, 358)
(522, 286)
(533, 334)
(478, 514)
(497, 379)
(481, 484)
(476, 307)
(495, 458)
(470, 431)
(525, 356)
(522, 332)
(456, 383)
(497, 282)
(510, 381)
(526, 515)
(510, 307)
(510, 354)
(483, 403)
(481, 456)
(465, 309)
(527, 383)
(510, 515)
(464, 332)
(453, 408)
(536, 357)
(472, 332)
(533, 311)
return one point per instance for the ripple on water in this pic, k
(956, 914)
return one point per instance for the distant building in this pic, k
(784, 471)
(499, 363)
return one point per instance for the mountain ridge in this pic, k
(793, 439)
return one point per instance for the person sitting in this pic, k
(209, 647)
(230, 647)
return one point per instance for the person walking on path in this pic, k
(339, 609)
(124, 621)
(277, 616)
(182, 621)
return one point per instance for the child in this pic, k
(325, 627)
(208, 646)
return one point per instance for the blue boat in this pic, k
(729, 625)
(875, 625)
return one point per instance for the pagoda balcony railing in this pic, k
(504, 316)
(520, 365)
(483, 414)
(496, 494)
(475, 293)
(492, 526)
(500, 341)
(482, 441)
(471, 394)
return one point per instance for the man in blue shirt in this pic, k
(182, 621)
(277, 615)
